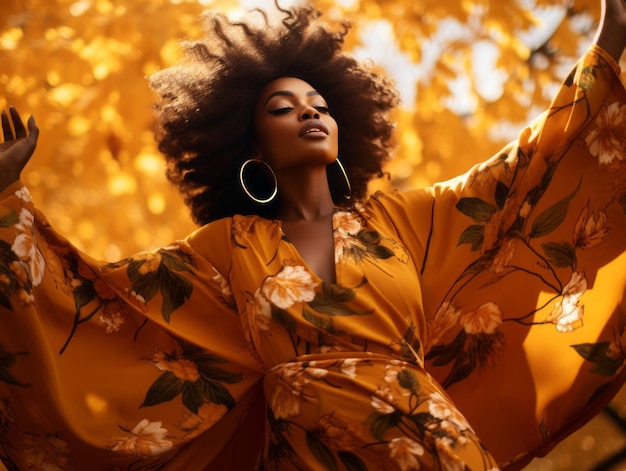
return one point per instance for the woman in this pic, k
(471, 325)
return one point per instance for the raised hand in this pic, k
(612, 31)
(17, 146)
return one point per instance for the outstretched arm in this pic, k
(17, 146)
(611, 34)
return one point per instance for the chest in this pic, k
(288, 307)
(314, 242)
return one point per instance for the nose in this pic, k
(309, 113)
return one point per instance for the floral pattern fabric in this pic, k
(472, 324)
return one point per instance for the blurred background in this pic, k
(471, 74)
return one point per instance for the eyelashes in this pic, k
(280, 111)
(287, 109)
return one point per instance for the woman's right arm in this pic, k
(122, 363)
(17, 147)
(611, 35)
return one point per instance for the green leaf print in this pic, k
(410, 346)
(190, 371)
(10, 219)
(351, 461)
(423, 421)
(473, 235)
(216, 393)
(599, 354)
(8, 360)
(164, 389)
(560, 254)
(331, 300)
(7, 256)
(552, 217)
(154, 273)
(83, 294)
(173, 263)
(408, 380)
(218, 374)
(175, 291)
(372, 240)
(5, 300)
(192, 396)
(502, 193)
(477, 209)
(325, 323)
(380, 423)
(622, 202)
(284, 319)
(321, 452)
(144, 284)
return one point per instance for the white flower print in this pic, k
(382, 401)
(208, 414)
(484, 320)
(224, 286)
(606, 139)
(450, 461)
(348, 366)
(347, 227)
(567, 314)
(291, 379)
(445, 319)
(405, 452)
(45, 452)
(148, 439)
(291, 285)
(392, 369)
(259, 312)
(504, 256)
(590, 229)
(442, 409)
(174, 361)
(113, 321)
(25, 247)
(24, 195)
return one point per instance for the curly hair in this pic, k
(204, 108)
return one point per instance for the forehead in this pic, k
(289, 84)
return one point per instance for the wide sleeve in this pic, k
(135, 364)
(523, 270)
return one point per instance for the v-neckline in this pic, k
(307, 263)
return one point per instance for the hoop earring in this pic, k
(348, 194)
(260, 200)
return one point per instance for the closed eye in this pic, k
(322, 109)
(280, 111)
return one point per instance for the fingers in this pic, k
(33, 130)
(7, 132)
(20, 130)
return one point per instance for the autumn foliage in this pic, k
(471, 73)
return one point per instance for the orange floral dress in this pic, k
(473, 324)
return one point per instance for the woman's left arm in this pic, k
(611, 34)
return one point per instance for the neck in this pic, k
(305, 194)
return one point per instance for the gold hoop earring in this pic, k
(260, 200)
(348, 194)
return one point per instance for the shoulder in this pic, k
(395, 202)
(223, 234)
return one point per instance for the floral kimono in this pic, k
(472, 325)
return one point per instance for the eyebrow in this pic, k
(290, 94)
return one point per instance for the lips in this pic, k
(313, 126)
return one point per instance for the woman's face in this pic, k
(293, 126)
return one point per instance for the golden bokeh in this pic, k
(80, 67)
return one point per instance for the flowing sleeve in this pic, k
(523, 270)
(139, 363)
